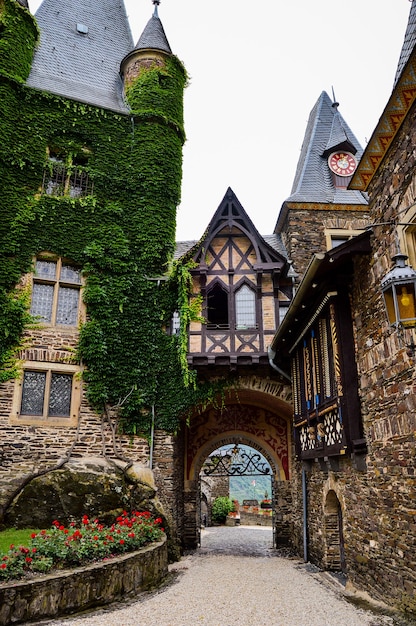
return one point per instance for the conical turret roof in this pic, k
(82, 43)
(154, 35)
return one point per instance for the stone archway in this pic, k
(251, 416)
(333, 532)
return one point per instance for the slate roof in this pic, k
(239, 214)
(154, 35)
(325, 132)
(409, 42)
(82, 66)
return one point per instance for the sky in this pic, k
(255, 72)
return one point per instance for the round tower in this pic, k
(153, 78)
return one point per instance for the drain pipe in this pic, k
(305, 516)
(271, 354)
(152, 437)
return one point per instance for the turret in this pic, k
(18, 36)
(153, 77)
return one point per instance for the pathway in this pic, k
(237, 579)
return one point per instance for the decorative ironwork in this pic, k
(235, 461)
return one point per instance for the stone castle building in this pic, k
(128, 358)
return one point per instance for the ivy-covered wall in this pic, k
(122, 235)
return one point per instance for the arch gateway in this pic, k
(257, 414)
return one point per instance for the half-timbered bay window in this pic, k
(56, 292)
(47, 392)
(326, 412)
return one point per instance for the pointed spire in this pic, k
(153, 36)
(326, 132)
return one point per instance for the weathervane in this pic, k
(156, 3)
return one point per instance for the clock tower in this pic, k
(321, 211)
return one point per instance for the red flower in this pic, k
(61, 527)
(66, 531)
(121, 541)
(34, 550)
(131, 535)
(28, 559)
(33, 535)
(11, 546)
(3, 566)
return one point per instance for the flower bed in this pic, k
(70, 591)
(67, 547)
(108, 562)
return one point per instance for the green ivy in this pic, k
(123, 236)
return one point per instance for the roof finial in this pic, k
(335, 104)
(156, 3)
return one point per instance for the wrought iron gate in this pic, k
(237, 461)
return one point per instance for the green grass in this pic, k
(19, 537)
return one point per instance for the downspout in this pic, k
(305, 516)
(271, 354)
(152, 437)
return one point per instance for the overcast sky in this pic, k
(256, 70)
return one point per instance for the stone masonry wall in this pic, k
(304, 231)
(387, 502)
(61, 593)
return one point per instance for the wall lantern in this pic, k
(399, 293)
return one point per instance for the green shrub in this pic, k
(220, 509)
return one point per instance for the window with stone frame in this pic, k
(56, 292)
(337, 236)
(67, 174)
(48, 392)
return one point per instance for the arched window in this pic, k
(245, 308)
(217, 310)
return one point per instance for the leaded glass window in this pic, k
(60, 395)
(56, 292)
(33, 393)
(245, 307)
(46, 394)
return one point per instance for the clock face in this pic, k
(342, 163)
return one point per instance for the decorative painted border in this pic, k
(398, 106)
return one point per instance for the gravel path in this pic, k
(236, 579)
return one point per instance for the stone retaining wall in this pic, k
(71, 591)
